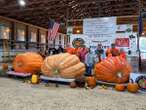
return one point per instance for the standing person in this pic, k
(99, 52)
(89, 61)
(77, 51)
(60, 49)
(82, 54)
(113, 50)
(52, 51)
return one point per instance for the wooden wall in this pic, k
(22, 37)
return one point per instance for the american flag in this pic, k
(52, 30)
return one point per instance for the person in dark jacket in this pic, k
(60, 49)
(113, 50)
(52, 51)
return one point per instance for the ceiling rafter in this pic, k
(61, 10)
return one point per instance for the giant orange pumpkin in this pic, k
(5, 67)
(27, 62)
(64, 65)
(113, 69)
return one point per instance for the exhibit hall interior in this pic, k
(63, 54)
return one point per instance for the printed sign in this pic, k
(127, 41)
(97, 26)
(122, 42)
(78, 40)
(100, 30)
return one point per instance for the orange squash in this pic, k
(91, 81)
(73, 85)
(5, 66)
(64, 65)
(113, 70)
(132, 87)
(27, 63)
(120, 87)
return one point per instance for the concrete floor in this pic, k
(15, 95)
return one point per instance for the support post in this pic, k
(140, 26)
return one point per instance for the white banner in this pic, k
(98, 26)
(100, 30)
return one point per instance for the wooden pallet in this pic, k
(55, 80)
(108, 84)
(16, 75)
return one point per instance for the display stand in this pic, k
(17, 75)
(56, 80)
(108, 84)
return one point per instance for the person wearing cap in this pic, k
(52, 50)
(113, 50)
(89, 61)
(99, 52)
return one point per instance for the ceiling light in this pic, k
(78, 31)
(22, 2)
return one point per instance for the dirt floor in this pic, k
(15, 95)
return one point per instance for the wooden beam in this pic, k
(13, 20)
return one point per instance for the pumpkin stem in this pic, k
(56, 71)
(119, 75)
(19, 64)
